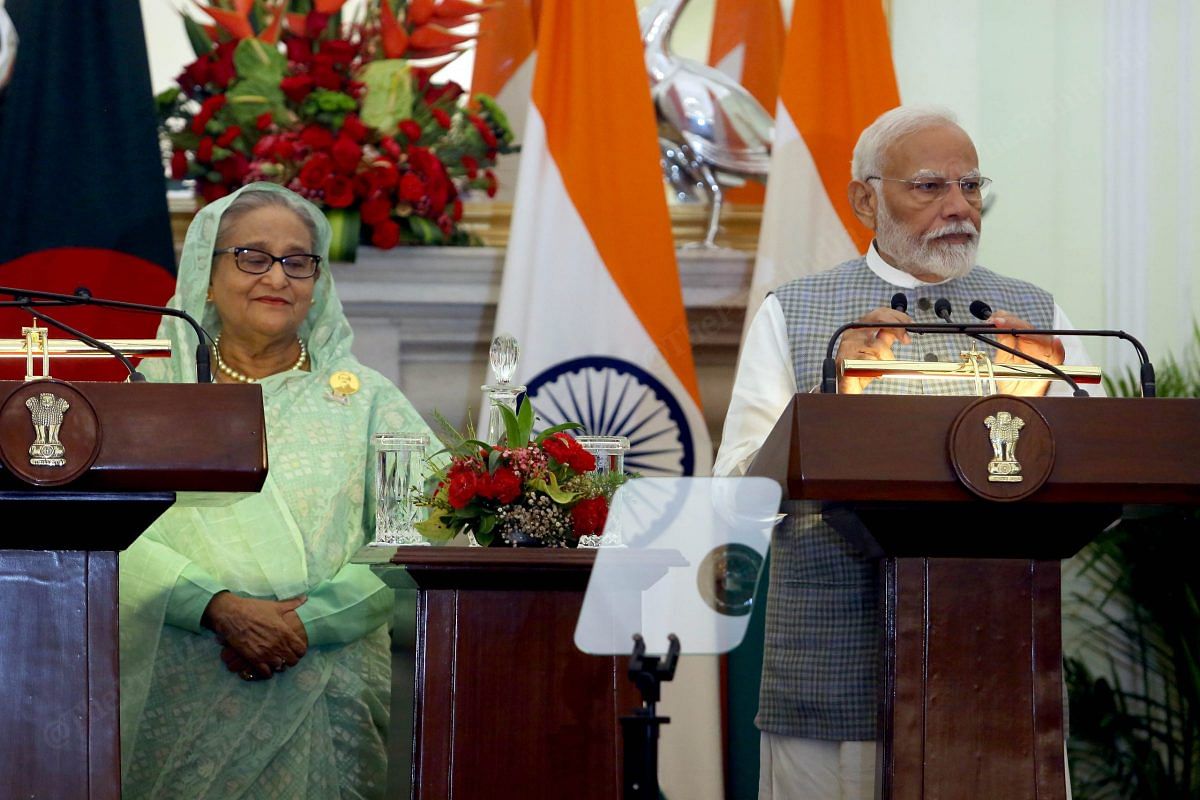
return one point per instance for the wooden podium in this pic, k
(971, 701)
(506, 706)
(128, 449)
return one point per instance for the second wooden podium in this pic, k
(971, 503)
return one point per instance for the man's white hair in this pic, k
(890, 126)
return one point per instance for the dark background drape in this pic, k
(79, 155)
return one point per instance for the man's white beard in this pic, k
(917, 254)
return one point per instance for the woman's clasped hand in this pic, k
(258, 637)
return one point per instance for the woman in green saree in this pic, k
(254, 656)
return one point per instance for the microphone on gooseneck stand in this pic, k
(981, 310)
(942, 309)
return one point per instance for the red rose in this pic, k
(339, 191)
(226, 138)
(221, 68)
(327, 77)
(485, 131)
(283, 149)
(314, 24)
(506, 486)
(297, 87)
(179, 164)
(354, 128)
(316, 171)
(463, 485)
(490, 177)
(204, 151)
(264, 121)
(346, 154)
(391, 147)
(588, 516)
(385, 235)
(580, 460)
(339, 51)
(299, 50)
(383, 176)
(316, 137)
(410, 129)
(556, 448)
(457, 210)
(233, 169)
(412, 188)
(212, 191)
(194, 74)
(209, 107)
(375, 210)
(441, 117)
(471, 166)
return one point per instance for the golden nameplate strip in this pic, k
(937, 370)
(67, 348)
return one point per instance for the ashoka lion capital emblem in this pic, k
(47, 410)
(1005, 430)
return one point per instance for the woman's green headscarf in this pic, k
(325, 329)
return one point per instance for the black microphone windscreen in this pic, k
(900, 302)
(942, 308)
(980, 310)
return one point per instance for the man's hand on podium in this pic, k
(874, 344)
(1047, 348)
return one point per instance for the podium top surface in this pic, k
(898, 448)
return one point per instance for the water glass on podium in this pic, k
(399, 472)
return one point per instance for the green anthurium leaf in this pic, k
(485, 539)
(198, 37)
(424, 230)
(525, 420)
(484, 446)
(512, 426)
(465, 513)
(389, 95)
(566, 426)
(259, 61)
(434, 530)
(345, 224)
(493, 460)
(552, 490)
(250, 98)
(486, 526)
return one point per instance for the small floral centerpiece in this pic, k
(527, 491)
(345, 113)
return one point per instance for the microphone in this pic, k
(900, 302)
(981, 310)
(26, 298)
(942, 309)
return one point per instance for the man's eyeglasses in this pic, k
(259, 262)
(927, 190)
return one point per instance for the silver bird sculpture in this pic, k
(712, 132)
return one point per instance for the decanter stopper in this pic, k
(503, 357)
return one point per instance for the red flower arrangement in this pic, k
(346, 115)
(542, 491)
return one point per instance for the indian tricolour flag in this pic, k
(837, 78)
(504, 61)
(591, 287)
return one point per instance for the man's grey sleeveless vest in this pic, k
(821, 653)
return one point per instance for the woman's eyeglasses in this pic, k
(259, 262)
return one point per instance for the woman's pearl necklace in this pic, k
(242, 377)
